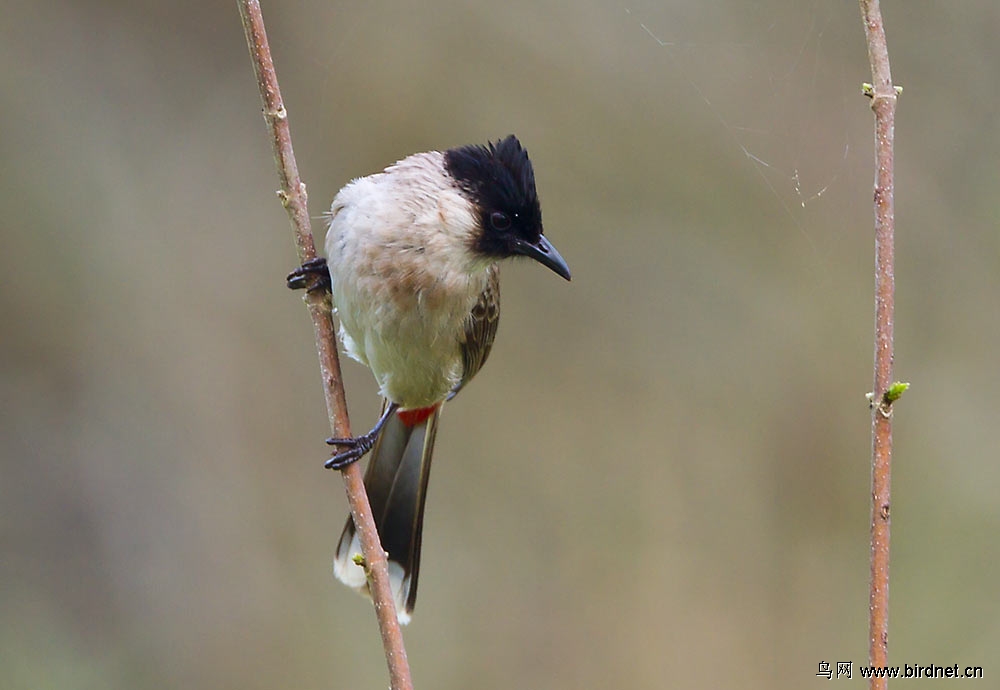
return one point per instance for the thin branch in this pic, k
(883, 96)
(293, 198)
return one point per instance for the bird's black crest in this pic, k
(501, 182)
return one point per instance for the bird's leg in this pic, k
(357, 446)
(312, 275)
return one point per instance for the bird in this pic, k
(411, 265)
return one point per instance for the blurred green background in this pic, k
(661, 477)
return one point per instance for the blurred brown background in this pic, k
(660, 479)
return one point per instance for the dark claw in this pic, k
(356, 449)
(357, 446)
(312, 275)
(342, 460)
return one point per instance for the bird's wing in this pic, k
(480, 329)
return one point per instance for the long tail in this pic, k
(396, 481)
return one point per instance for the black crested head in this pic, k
(500, 181)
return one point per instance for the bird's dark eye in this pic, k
(500, 221)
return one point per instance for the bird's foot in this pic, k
(357, 446)
(312, 275)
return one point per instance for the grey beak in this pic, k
(544, 253)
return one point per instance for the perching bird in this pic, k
(412, 257)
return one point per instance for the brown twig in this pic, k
(883, 96)
(293, 198)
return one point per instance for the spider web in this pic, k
(778, 93)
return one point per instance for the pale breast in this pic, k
(403, 278)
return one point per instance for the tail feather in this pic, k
(396, 481)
